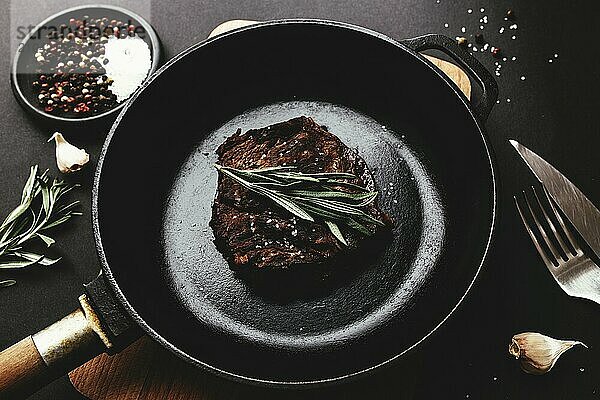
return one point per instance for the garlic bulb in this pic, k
(68, 157)
(538, 353)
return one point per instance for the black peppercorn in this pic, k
(479, 38)
(78, 81)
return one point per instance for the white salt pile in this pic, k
(127, 62)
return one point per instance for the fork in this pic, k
(574, 272)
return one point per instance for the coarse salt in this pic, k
(129, 61)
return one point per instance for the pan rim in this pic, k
(266, 382)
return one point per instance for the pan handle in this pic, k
(39, 359)
(465, 60)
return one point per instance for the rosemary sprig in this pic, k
(42, 207)
(312, 196)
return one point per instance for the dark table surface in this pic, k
(554, 111)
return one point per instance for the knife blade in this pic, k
(582, 213)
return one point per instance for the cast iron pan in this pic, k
(155, 183)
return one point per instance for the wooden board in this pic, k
(146, 371)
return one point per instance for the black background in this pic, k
(553, 111)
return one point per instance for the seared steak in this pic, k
(252, 231)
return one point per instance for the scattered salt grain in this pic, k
(485, 46)
(470, 11)
(508, 100)
(513, 37)
(446, 25)
(514, 59)
(482, 9)
(501, 30)
(555, 55)
(463, 29)
(513, 26)
(523, 78)
(481, 27)
(550, 60)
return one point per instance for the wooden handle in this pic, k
(23, 370)
(39, 359)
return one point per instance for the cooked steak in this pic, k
(252, 231)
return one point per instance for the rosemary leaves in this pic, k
(328, 196)
(42, 207)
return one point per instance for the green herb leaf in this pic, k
(18, 264)
(40, 209)
(328, 196)
(38, 258)
(47, 239)
(335, 230)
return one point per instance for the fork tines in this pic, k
(551, 237)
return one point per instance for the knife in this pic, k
(582, 213)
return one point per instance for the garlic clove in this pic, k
(68, 157)
(538, 353)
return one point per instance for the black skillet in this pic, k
(155, 182)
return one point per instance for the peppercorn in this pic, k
(81, 108)
(72, 56)
(479, 38)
